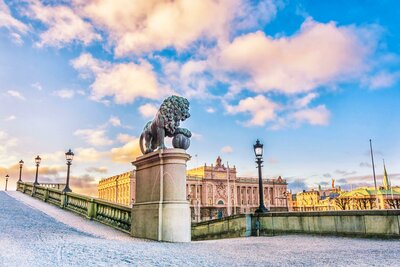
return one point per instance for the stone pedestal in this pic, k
(161, 211)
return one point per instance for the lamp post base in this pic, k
(36, 183)
(67, 189)
(261, 209)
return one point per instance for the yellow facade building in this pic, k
(315, 200)
(362, 198)
(365, 198)
(118, 188)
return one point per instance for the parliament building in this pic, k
(214, 191)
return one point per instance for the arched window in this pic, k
(221, 202)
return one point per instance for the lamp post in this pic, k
(6, 181)
(21, 163)
(37, 161)
(258, 151)
(69, 157)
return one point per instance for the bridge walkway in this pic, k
(33, 233)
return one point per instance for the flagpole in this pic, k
(373, 170)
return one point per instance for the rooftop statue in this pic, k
(172, 111)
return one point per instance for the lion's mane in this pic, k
(172, 111)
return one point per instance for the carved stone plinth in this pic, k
(161, 211)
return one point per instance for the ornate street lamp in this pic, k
(258, 151)
(37, 161)
(21, 163)
(6, 181)
(69, 157)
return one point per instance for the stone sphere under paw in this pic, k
(181, 141)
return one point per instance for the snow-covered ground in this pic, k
(33, 233)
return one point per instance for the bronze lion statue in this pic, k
(172, 111)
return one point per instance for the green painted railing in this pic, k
(111, 214)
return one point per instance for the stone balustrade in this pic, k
(360, 223)
(53, 185)
(111, 214)
(54, 196)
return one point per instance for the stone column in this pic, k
(161, 211)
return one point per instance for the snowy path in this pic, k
(30, 237)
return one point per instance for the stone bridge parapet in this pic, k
(371, 223)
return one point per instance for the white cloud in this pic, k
(190, 78)
(16, 38)
(280, 123)
(261, 13)
(65, 93)
(382, 80)
(305, 100)
(64, 26)
(148, 110)
(114, 121)
(16, 94)
(314, 116)
(197, 136)
(123, 81)
(191, 68)
(319, 54)
(193, 79)
(7, 141)
(57, 157)
(97, 169)
(95, 137)
(128, 152)
(210, 110)
(89, 154)
(259, 107)
(227, 149)
(9, 22)
(10, 118)
(7, 145)
(37, 86)
(125, 138)
(148, 25)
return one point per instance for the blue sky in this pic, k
(313, 80)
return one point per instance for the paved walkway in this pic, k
(33, 233)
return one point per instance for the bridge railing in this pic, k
(358, 223)
(54, 196)
(111, 214)
(53, 185)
